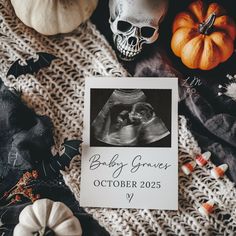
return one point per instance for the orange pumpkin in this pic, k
(203, 36)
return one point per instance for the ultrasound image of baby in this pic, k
(123, 130)
(127, 120)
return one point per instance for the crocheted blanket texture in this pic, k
(58, 92)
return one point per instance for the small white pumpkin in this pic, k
(47, 218)
(51, 17)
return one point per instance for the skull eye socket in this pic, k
(123, 26)
(147, 32)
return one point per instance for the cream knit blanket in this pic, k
(58, 92)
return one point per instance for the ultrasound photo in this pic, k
(130, 117)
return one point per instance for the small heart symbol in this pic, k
(129, 196)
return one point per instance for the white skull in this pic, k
(135, 23)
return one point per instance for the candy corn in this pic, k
(202, 159)
(219, 171)
(188, 167)
(207, 208)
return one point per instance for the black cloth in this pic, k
(25, 138)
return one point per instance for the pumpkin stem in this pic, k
(205, 26)
(44, 232)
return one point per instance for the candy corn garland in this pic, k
(207, 208)
(188, 167)
(219, 171)
(203, 159)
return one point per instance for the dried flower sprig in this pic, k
(229, 89)
(22, 189)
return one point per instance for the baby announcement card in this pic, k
(130, 143)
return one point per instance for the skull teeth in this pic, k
(125, 50)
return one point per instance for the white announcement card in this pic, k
(130, 143)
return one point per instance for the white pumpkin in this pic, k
(46, 217)
(51, 17)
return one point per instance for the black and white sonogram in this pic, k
(130, 118)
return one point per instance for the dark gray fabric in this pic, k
(222, 125)
(25, 138)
